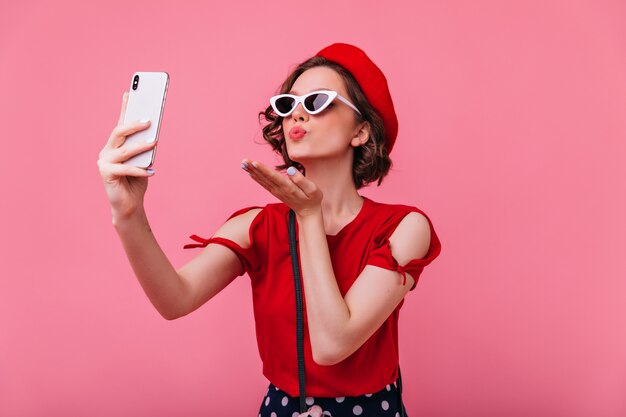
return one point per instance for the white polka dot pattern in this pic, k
(381, 403)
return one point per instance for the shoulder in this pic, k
(392, 214)
(411, 238)
(237, 227)
(408, 229)
(253, 223)
(246, 217)
(381, 209)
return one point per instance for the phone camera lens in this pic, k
(135, 82)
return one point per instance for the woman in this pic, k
(358, 257)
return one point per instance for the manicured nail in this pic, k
(254, 164)
(144, 121)
(149, 140)
(291, 171)
(244, 166)
(150, 171)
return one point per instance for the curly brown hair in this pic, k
(371, 160)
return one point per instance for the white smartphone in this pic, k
(146, 99)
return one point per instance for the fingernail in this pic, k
(150, 171)
(244, 166)
(144, 121)
(149, 140)
(254, 164)
(291, 171)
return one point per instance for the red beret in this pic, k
(372, 82)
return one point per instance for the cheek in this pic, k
(338, 135)
(334, 136)
(337, 126)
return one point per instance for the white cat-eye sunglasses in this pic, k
(313, 102)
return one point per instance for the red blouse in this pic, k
(363, 241)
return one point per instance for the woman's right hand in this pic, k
(125, 185)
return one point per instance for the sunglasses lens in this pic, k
(315, 102)
(284, 104)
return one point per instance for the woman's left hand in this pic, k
(296, 191)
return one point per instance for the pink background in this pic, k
(512, 139)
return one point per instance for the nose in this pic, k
(299, 114)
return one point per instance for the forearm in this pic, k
(155, 273)
(327, 312)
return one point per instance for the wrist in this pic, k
(123, 219)
(309, 214)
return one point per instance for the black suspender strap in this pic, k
(299, 315)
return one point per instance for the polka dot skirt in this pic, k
(277, 403)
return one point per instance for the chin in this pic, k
(297, 155)
(302, 154)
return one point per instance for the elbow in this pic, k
(170, 315)
(170, 318)
(172, 311)
(328, 356)
(325, 360)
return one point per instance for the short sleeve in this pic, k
(248, 256)
(380, 254)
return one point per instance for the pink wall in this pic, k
(512, 139)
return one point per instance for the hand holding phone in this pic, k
(146, 101)
(123, 160)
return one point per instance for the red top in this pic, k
(363, 241)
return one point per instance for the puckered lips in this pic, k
(296, 133)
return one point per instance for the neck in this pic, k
(334, 178)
